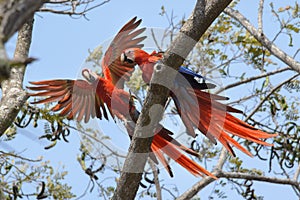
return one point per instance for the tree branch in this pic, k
(296, 175)
(205, 12)
(268, 95)
(187, 195)
(156, 179)
(260, 17)
(72, 11)
(233, 175)
(6, 154)
(252, 79)
(13, 95)
(247, 176)
(281, 55)
(14, 13)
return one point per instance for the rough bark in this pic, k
(14, 13)
(13, 95)
(205, 12)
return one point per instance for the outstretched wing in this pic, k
(76, 99)
(113, 68)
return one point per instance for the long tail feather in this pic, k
(174, 153)
(166, 135)
(156, 150)
(212, 118)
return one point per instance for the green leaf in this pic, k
(267, 81)
(292, 28)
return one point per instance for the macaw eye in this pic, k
(129, 61)
(125, 59)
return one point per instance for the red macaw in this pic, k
(198, 108)
(85, 99)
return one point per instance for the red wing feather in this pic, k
(75, 98)
(113, 69)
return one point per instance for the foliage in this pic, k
(18, 173)
(226, 52)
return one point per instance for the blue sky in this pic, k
(61, 45)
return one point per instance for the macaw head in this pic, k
(89, 75)
(134, 56)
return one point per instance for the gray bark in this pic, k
(13, 95)
(14, 13)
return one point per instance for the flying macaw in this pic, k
(85, 99)
(198, 108)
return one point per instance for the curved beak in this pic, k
(128, 56)
(89, 75)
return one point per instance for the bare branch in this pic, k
(252, 79)
(187, 195)
(296, 175)
(233, 175)
(247, 176)
(155, 41)
(245, 98)
(72, 11)
(156, 180)
(281, 55)
(5, 154)
(58, 1)
(260, 17)
(268, 95)
(222, 159)
(91, 136)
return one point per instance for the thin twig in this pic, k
(252, 79)
(97, 140)
(268, 95)
(72, 11)
(155, 41)
(248, 176)
(156, 179)
(246, 98)
(18, 156)
(296, 175)
(260, 17)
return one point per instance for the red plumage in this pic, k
(85, 99)
(200, 109)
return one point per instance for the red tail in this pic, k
(214, 121)
(164, 143)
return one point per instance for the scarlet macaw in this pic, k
(213, 118)
(85, 99)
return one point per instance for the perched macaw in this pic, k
(198, 108)
(85, 99)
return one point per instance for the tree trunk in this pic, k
(13, 95)
(204, 13)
